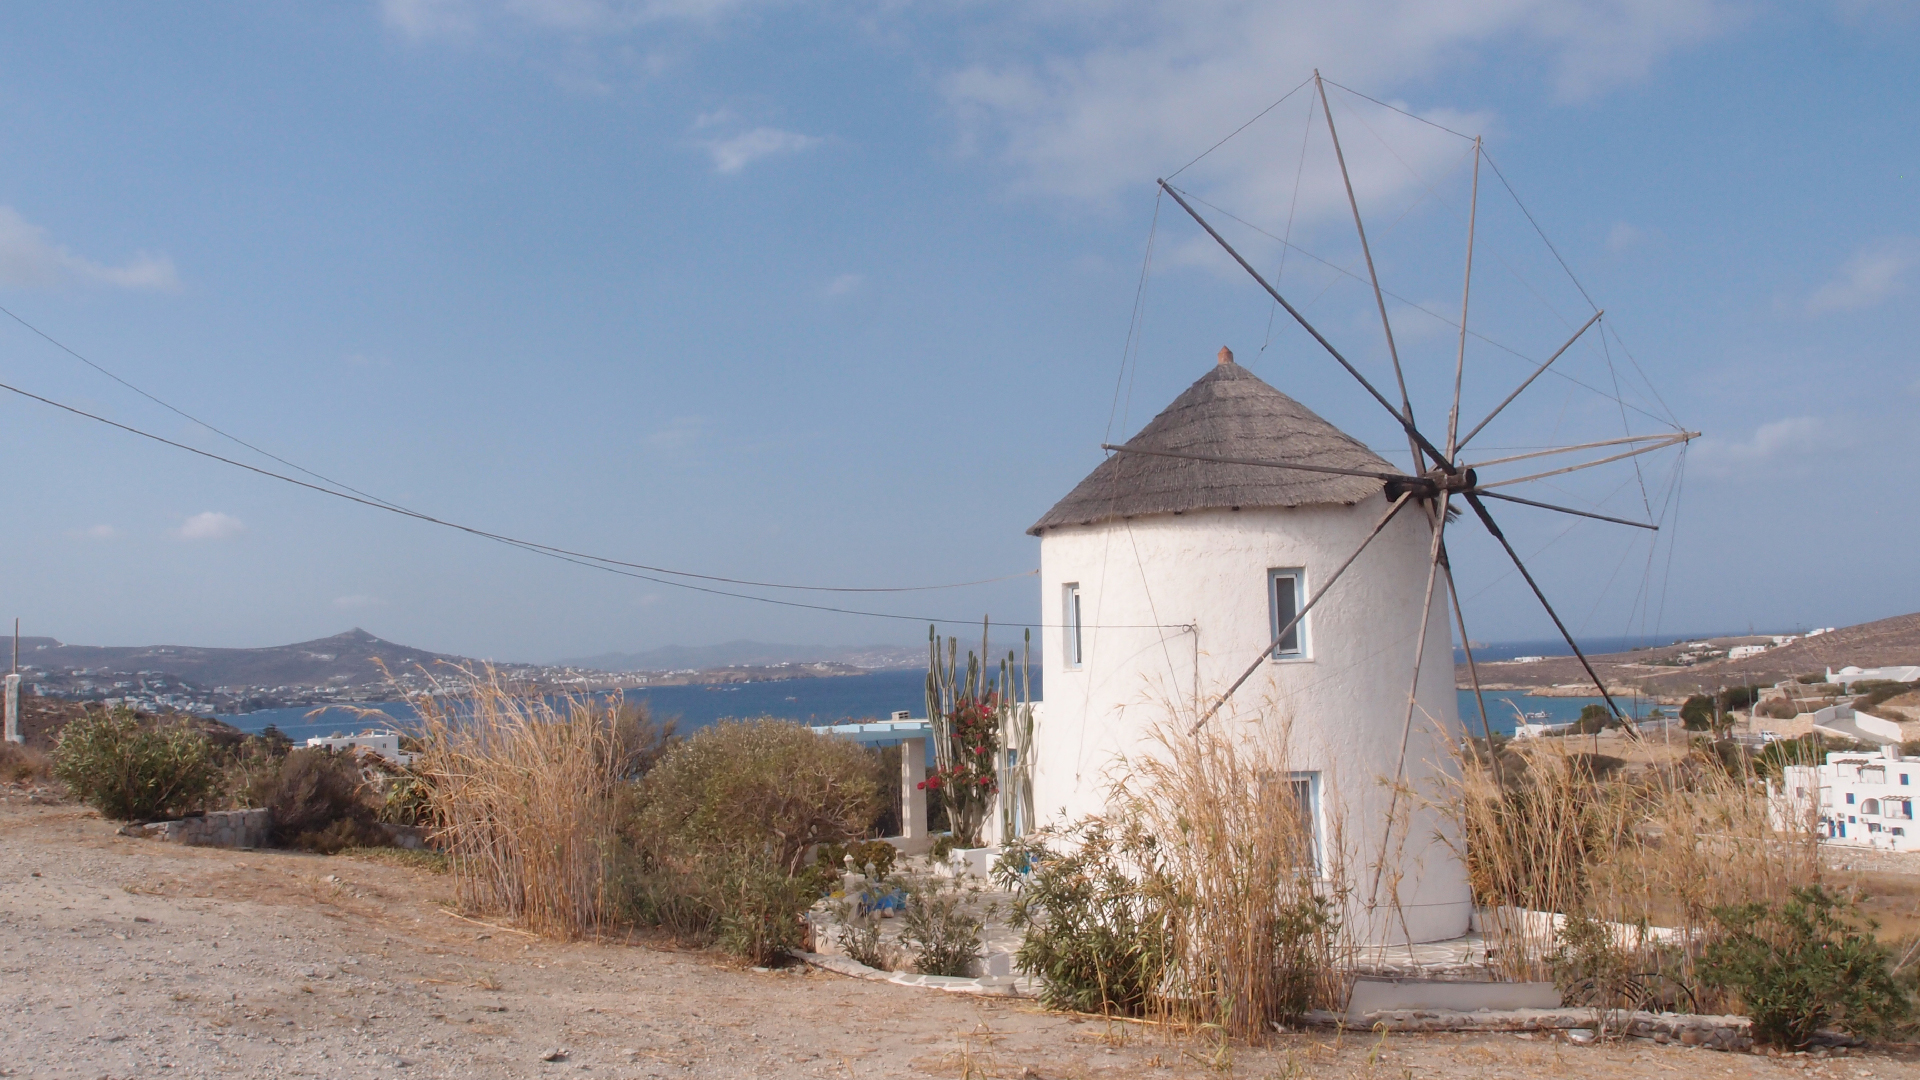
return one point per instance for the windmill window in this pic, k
(1286, 595)
(1071, 625)
(1301, 793)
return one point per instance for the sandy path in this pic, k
(125, 958)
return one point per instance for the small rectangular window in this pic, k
(1301, 794)
(1903, 780)
(1070, 624)
(1849, 798)
(1286, 596)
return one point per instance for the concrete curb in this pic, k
(987, 985)
(1688, 1029)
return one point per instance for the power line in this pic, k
(369, 499)
(588, 561)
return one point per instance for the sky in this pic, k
(850, 293)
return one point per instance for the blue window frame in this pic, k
(1849, 798)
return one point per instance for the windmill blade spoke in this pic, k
(1399, 477)
(1537, 372)
(1466, 290)
(1366, 250)
(1551, 451)
(1406, 422)
(1281, 634)
(1486, 519)
(1565, 509)
(1671, 440)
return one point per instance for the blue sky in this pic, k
(840, 294)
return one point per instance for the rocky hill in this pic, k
(1684, 668)
(349, 659)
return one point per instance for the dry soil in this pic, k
(125, 958)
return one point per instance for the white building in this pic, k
(1849, 675)
(1862, 798)
(1741, 652)
(385, 742)
(1163, 578)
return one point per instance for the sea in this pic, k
(837, 700)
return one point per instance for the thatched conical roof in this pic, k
(1229, 412)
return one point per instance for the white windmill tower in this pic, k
(1240, 547)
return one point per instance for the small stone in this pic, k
(1579, 1036)
(556, 1055)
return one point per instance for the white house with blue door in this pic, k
(1860, 798)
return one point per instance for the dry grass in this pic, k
(1558, 831)
(22, 764)
(523, 795)
(1250, 894)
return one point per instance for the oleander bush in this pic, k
(131, 770)
(940, 924)
(1803, 964)
(716, 835)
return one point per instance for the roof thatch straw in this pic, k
(1229, 412)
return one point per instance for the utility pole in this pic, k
(13, 689)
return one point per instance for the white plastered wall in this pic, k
(1175, 607)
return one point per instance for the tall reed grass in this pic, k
(1551, 834)
(523, 793)
(1207, 895)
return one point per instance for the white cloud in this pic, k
(29, 259)
(736, 152)
(1149, 83)
(844, 285)
(460, 18)
(357, 602)
(1624, 237)
(679, 432)
(1871, 275)
(1784, 445)
(210, 525)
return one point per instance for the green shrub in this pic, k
(1739, 697)
(942, 847)
(1805, 964)
(716, 832)
(769, 786)
(1776, 755)
(1093, 932)
(130, 771)
(1697, 713)
(319, 801)
(874, 858)
(1593, 720)
(759, 910)
(858, 932)
(942, 928)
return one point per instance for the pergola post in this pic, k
(914, 836)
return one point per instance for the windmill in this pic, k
(1445, 476)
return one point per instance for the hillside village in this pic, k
(351, 668)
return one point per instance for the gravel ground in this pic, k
(132, 958)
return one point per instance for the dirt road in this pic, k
(125, 958)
